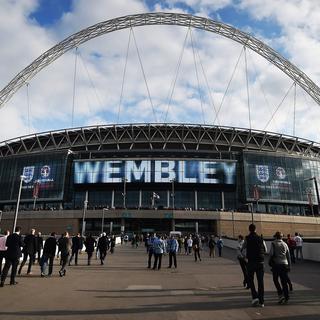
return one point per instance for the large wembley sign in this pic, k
(155, 171)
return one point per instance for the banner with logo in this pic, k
(43, 176)
(278, 177)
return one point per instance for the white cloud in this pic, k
(100, 68)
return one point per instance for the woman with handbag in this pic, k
(280, 263)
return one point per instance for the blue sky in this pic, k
(100, 65)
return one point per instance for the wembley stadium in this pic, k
(159, 177)
(145, 177)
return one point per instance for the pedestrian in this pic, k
(220, 246)
(112, 244)
(180, 243)
(65, 247)
(59, 246)
(150, 248)
(185, 243)
(255, 251)
(173, 247)
(241, 255)
(280, 263)
(76, 243)
(39, 246)
(103, 246)
(196, 248)
(3, 248)
(299, 242)
(29, 250)
(49, 252)
(292, 247)
(90, 244)
(158, 249)
(13, 243)
(81, 243)
(211, 245)
(189, 244)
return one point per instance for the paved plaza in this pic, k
(125, 289)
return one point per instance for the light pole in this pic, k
(124, 192)
(0, 218)
(172, 193)
(102, 220)
(85, 206)
(18, 203)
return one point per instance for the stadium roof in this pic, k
(158, 137)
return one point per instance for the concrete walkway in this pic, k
(125, 289)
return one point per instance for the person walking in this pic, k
(292, 247)
(255, 251)
(49, 252)
(196, 248)
(29, 250)
(220, 246)
(13, 243)
(185, 243)
(103, 246)
(39, 245)
(158, 249)
(242, 261)
(281, 263)
(150, 248)
(65, 248)
(189, 244)
(211, 245)
(173, 247)
(90, 243)
(3, 248)
(76, 244)
(299, 243)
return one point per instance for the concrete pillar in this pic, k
(197, 227)
(140, 199)
(168, 198)
(195, 199)
(112, 199)
(123, 224)
(222, 200)
(173, 225)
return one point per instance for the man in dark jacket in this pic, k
(256, 249)
(76, 244)
(49, 251)
(65, 246)
(90, 243)
(13, 243)
(103, 246)
(39, 246)
(29, 250)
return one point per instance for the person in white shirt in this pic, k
(299, 243)
(190, 243)
(3, 248)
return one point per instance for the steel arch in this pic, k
(160, 18)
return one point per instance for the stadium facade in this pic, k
(161, 177)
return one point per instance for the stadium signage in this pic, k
(155, 171)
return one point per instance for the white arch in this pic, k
(160, 18)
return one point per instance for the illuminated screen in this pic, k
(280, 178)
(45, 171)
(155, 171)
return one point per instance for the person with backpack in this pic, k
(255, 251)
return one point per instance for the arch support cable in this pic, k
(124, 75)
(160, 18)
(74, 86)
(247, 85)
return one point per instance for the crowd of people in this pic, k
(251, 253)
(34, 249)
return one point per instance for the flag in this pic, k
(155, 195)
